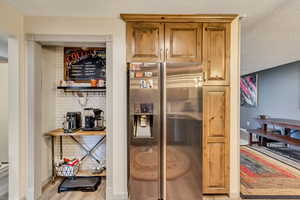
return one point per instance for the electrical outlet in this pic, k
(248, 123)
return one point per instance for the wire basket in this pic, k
(67, 170)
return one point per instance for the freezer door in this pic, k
(144, 133)
(183, 134)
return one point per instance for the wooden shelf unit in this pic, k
(60, 132)
(265, 132)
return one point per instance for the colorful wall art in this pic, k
(249, 90)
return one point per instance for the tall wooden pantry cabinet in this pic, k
(205, 39)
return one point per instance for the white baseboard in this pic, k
(235, 196)
(119, 197)
(111, 196)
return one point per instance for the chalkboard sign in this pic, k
(84, 64)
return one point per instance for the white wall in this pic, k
(273, 40)
(10, 20)
(48, 109)
(11, 25)
(278, 95)
(3, 112)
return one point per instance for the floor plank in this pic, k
(50, 193)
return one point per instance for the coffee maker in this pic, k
(99, 119)
(93, 119)
(72, 122)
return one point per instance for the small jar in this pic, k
(94, 83)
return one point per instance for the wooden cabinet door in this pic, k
(183, 42)
(216, 53)
(216, 140)
(145, 42)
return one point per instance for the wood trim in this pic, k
(179, 18)
(234, 169)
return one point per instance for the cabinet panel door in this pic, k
(216, 140)
(145, 42)
(216, 53)
(183, 42)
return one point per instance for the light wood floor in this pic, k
(50, 193)
(226, 198)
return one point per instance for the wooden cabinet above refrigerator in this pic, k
(183, 42)
(182, 38)
(145, 42)
(216, 53)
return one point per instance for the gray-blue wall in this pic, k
(278, 95)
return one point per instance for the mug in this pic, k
(94, 83)
(101, 83)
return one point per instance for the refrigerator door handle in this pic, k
(204, 76)
(163, 128)
(160, 52)
(167, 54)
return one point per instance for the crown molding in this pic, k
(178, 18)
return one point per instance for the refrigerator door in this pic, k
(144, 132)
(183, 134)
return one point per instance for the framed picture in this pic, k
(84, 64)
(248, 86)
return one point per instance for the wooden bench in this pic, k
(266, 133)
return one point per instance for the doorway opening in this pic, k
(270, 138)
(62, 150)
(10, 115)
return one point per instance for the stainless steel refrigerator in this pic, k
(165, 131)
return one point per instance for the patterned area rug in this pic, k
(262, 175)
(290, 153)
(286, 155)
